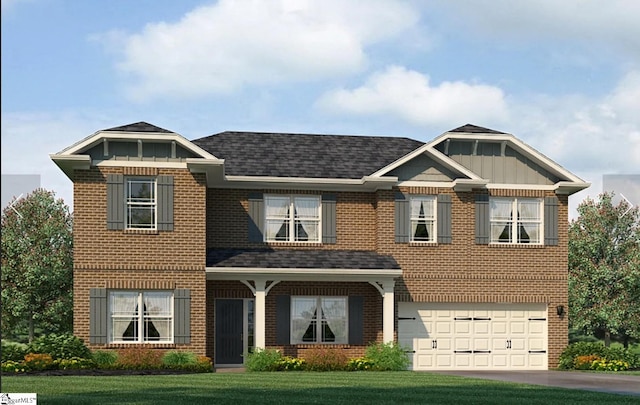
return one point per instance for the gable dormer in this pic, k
(138, 145)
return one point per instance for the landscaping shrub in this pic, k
(288, 363)
(177, 359)
(577, 355)
(13, 351)
(106, 359)
(60, 346)
(139, 358)
(325, 359)
(360, 364)
(75, 363)
(387, 357)
(263, 360)
(38, 361)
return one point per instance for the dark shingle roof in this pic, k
(302, 259)
(474, 129)
(305, 155)
(138, 127)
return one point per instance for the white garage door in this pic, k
(474, 336)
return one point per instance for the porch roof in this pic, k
(300, 259)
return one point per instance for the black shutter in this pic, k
(165, 203)
(283, 319)
(551, 221)
(356, 320)
(402, 218)
(444, 218)
(182, 316)
(115, 201)
(256, 217)
(483, 231)
(328, 218)
(98, 316)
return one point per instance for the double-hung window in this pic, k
(423, 218)
(140, 316)
(516, 220)
(319, 320)
(292, 218)
(141, 203)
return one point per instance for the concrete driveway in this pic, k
(611, 383)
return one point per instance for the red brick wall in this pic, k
(140, 260)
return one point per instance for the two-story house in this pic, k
(455, 248)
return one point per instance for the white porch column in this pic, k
(388, 311)
(260, 296)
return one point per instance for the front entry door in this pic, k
(229, 328)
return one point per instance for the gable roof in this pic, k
(474, 129)
(305, 155)
(138, 127)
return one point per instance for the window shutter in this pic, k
(182, 316)
(444, 218)
(356, 320)
(482, 219)
(115, 201)
(283, 319)
(98, 316)
(329, 218)
(165, 203)
(402, 218)
(256, 217)
(551, 221)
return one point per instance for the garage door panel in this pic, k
(475, 336)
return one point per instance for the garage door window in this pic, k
(319, 320)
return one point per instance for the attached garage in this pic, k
(474, 336)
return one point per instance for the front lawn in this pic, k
(351, 388)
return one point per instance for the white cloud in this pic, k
(222, 47)
(408, 95)
(613, 23)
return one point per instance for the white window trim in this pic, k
(292, 198)
(319, 299)
(434, 236)
(515, 222)
(140, 304)
(154, 203)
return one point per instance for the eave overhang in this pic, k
(366, 183)
(301, 274)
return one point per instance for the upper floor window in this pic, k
(516, 220)
(141, 203)
(423, 218)
(140, 316)
(292, 218)
(319, 320)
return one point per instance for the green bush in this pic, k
(263, 360)
(13, 351)
(60, 346)
(11, 366)
(579, 350)
(325, 359)
(387, 357)
(177, 359)
(106, 359)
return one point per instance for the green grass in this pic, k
(296, 388)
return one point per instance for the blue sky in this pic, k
(563, 76)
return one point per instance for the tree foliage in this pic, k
(37, 266)
(604, 268)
